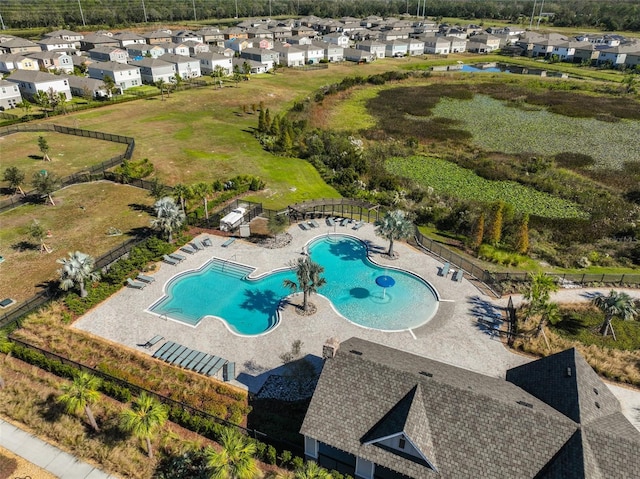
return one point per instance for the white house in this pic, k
(177, 49)
(154, 69)
(146, 50)
(186, 67)
(483, 43)
(209, 61)
(337, 38)
(254, 66)
(124, 76)
(128, 38)
(312, 53)
(9, 95)
(109, 54)
(437, 45)
(358, 55)
(299, 40)
(53, 43)
(30, 82)
(395, 49)
(184, 35)
(458, 45)
(332, 52)
(415, 47)
(289, 56)
(82, 86)
(66, 35)
(268, 57)
(616, 55)
(375, 48)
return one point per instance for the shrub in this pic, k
(286, 458)
(271, 455)
(297, 463)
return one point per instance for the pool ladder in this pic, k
(172, 310)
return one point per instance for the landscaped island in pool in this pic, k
(250, 306)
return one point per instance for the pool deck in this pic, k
(452, 336)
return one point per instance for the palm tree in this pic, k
(309, 279)
(15, 178)
(160, 84)
(394, 225)
(38, 233)
(540, 288)
(76, 270)
(236, 459)
(182, 193)
(80, 394)
(144, 418)
(619, 305)
(311, 470)
(202, 190)
(45, 183)
(170, 217)
(549, 313)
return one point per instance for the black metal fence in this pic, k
(253, 210)
(576, 279)
(344, 207)
(511, 322)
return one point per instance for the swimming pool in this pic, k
(250, 306)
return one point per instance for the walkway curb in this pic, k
(46, 456)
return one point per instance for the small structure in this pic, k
(233, 219)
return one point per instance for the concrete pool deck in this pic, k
(451, 336)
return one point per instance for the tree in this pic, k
(15, 178)
(277, 224)
(616, 305)
(549, 313)
(236, 458)
(540, 288)
(495, 232)
(522, 245)
(80, 395)
(157, 190)
(202, 190)
(26, 107)
(217, 73)
(394, 225)
(110, 84)
(76, 271)
(45, 183)
(160, 84)
(182, 193)
(169, 217)
(43, 145)
(38, 233)
(144, 418)
(309, 279)
(177, 80)
(261, 123)
(478, 232)
(311, 470)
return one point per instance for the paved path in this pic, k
(46, 456)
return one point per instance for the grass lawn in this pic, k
(69, 154)
(105, 205)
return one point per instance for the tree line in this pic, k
(607, 15)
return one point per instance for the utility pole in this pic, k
(144, 11)
(2, 22)
(540, 16)
(533, 12)
(194, 10)
(269, 9)
(81, 14)
(237, 8)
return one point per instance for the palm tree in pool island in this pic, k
(144, 418)
(169, 217)
(236, 459)
(76, 270)
(616, 305)
(394, 225)
(80, 395)
(309, 279)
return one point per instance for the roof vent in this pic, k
(357, 353)
(568, 374)
(595, 390)
(525, 404)
(424, 373)
(597, 404)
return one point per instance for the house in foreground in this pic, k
(124, 76)
(378, 412)
(10, 96)
(30, 82)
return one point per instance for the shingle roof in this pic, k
(475, 426)
(34, 76)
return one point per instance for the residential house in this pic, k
(359, 56)
(289, 56)
(393, 34)
(312, 53)
(253, 66)
(415, 47)
(235, 32)
(602, 39)
(437, 45)
(483, 43)
(94, 40)
(299, 40)
(457, 45)
(332, 52)
(265, 43)
(448, 31)
(267, 57)
(375, 48)
(396, 48)
(53, 43)
(378, 412)
(53, 61)
(158, 37)
(138, 51)
(303, 31)
(544, 48)
(109, 54)
(633, 59)
(88, 87)
(69, 35)
(585, 52)
(259, 33)
(12, 61)
(616, 55)
(10, 96)
(238, 44)
(124, 76)
(195, 47)
(154, 69)
(81, 61)
(19, 45)
(209, 61)
(211, 36)
(127, 38)
(186, 67)
(184, 35)
(337, 38)
(177, 49)
(281, 34)
(30, 82)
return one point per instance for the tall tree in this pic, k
(495, 232)
(236, 458)
(169, 217)
(160, 85)
(616, 305)
(202, 190)
(43, 146)
(549, 313)
(309, 280)
(15, 178)
(522, 245)
(45, 183)
(478, 232)
(80, 395)
(38, 233)
(144, 418)
(539, 292)
(182, 193)
(394, 225)
(76, 270)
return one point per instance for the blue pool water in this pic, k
(469, 68)
(250, 307)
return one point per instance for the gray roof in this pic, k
(177, 59)
(112, 66)
(151, 63)
(34, 76)
(463, 423)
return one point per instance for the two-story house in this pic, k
(396, 49)
(266, 57)
(332, 51)
(437, 45)
(159, 37)
(289, 56)
(138, 51)
(19, 45)
(10, 96)
(209, 61)
(377, 49)
(337, 38)
(30, 82)
(54, 43)
(109, 54)
(124, 76)
(13, 61)
(53, 61)
(154, 69)
(186, 67)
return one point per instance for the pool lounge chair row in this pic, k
(197, 361)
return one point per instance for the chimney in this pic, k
(330, 348)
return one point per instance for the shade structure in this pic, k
(385, 281)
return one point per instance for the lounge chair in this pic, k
(305, 226)
(176, 360)
(186, 360)
(152, 342)
(197, 245)
(194, 361)
(170, 358)
(344, 222)
(188, 249)
(212, 361)
(444, 271)
(135, 284)
(458, 275)
(229, 242)
(358, 225)
(167, 259)
(177, 257)
(330, 221)
(229, 371)
(314, 223)
(207, 242)
(168, 352)
(162, 349)
(144, 278)
(203, 363)
(216, 367)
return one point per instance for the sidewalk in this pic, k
(46, 456)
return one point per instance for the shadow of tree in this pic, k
(348, 250)
(265, 301)
(25, 246)
(143, 208)
(489, 316)
(50, 409)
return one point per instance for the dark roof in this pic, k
(463, 423)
